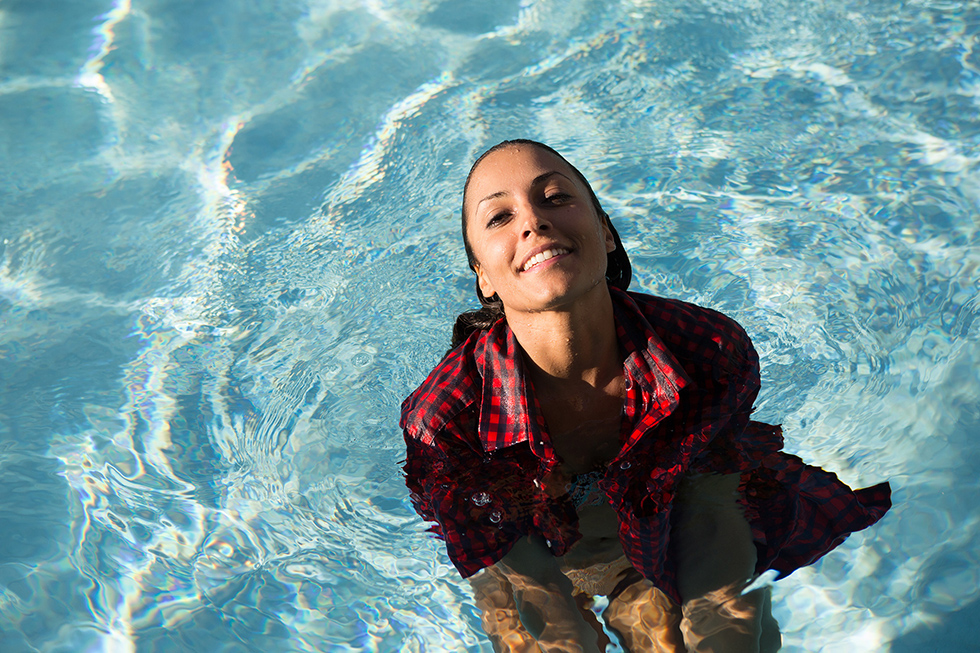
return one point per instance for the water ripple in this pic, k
(229, 248)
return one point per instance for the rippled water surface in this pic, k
(228, 248)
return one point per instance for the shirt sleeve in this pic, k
(729, 384)
(479, 507)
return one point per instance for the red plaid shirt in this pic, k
(480, 463)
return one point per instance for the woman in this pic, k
(579, 440)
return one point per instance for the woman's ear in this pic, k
(485, 286)
(608, 236)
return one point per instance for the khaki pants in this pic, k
(642, 617)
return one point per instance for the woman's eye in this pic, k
(556, 198)
(496, 219)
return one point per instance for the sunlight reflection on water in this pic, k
(228, 248)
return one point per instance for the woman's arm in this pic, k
(712, 539)
(443, 482)
(494, 596)
(543, 595)
(712, 543)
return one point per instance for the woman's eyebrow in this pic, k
(537, 180)
(499, 193)
(543, 177)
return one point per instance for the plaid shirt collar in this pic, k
(510, 413)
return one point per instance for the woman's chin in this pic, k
(563, 300)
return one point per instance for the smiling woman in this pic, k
(580, 440)
(618, 270)
(536, 239)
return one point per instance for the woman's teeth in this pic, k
(542, 257)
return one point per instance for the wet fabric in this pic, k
(480, 464)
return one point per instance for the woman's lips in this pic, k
(541, 257)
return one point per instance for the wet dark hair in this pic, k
(619, 272)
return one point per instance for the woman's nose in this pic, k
(534, 223)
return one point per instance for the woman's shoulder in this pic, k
(688, 320)
(676, 312)
(452, 385)
(697, 335)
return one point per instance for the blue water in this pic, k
(229, 247)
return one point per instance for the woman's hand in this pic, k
(543, 595)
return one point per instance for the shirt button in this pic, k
(625, 464)
(628, 383)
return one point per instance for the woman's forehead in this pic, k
(514, 164)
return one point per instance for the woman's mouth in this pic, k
(541, 257)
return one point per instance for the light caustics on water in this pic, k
(229, 249)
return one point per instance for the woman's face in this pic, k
(537, 239)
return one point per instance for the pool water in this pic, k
(229, 248)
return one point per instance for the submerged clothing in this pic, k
(480, 463)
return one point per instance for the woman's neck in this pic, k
(574, 344)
